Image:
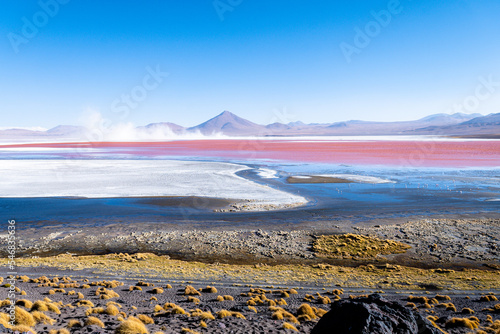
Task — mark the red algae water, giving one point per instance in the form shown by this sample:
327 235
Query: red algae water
411 153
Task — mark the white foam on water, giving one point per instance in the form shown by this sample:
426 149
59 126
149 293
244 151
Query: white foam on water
349 177
267 173
359 178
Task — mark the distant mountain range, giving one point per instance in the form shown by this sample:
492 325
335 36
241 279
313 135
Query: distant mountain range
229 124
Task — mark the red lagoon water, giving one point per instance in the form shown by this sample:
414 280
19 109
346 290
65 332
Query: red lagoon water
473 153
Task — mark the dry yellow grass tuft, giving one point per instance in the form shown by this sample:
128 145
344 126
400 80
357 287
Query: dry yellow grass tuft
354 245
23 279
494 309
203 315
319 312
95 310
23 317
5 302
306 310
277 315
190 291
189 331
488 298
225 313
84 303
94 321
112 310
286 325
4 317
462 322
443 271
336 292
107 284
281 301
131 326
24 303
447 306
74 323
418 299
210 289
192 299
270 302
145 319
157 291
324 300
280 314
442 297
104 293
142 283
494 326
171 308
42 318
59 331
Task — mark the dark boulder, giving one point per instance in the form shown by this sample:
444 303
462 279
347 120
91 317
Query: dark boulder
372 315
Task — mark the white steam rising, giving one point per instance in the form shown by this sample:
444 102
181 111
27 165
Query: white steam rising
99 128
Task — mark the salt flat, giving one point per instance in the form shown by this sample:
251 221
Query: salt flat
135 178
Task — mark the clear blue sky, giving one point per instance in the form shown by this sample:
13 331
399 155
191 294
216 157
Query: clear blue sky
277 60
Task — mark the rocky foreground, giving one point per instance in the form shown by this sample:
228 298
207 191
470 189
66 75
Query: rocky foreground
427 276
57 304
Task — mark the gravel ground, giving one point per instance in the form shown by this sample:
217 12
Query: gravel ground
436 242
138 302
447 241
